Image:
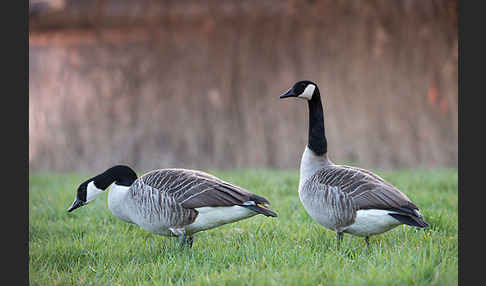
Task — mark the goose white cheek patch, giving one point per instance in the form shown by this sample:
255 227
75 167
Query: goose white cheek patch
92 192
308 92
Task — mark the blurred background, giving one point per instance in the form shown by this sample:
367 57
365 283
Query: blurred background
196 84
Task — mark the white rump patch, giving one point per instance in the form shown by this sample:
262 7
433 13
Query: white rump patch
308 92
92 192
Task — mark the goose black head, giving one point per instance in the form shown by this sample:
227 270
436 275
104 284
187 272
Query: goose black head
304 89
92 188
308 90
86 193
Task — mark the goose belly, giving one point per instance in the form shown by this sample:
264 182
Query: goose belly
210 217
152 221
157 226
370 222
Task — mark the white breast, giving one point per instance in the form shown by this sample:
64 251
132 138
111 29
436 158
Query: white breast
372 221
117 202
210 217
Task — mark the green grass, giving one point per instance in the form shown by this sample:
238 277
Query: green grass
91 247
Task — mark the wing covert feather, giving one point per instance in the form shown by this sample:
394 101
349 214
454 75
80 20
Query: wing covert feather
367 190
193 189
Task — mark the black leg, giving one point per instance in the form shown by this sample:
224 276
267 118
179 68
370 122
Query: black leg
190 240
339 237
186 240
182 239
367 239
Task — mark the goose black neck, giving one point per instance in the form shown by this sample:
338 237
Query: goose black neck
317 135
120 174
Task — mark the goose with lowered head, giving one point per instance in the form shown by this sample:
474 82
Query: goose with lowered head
172 202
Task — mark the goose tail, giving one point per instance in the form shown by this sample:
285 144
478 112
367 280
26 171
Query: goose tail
417 221
261 209
260 205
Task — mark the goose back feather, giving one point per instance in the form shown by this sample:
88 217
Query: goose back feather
366 190
193 189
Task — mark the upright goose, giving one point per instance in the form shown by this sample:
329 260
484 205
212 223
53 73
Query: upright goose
172 202
343 198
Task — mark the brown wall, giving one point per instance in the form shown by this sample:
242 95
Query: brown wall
199 88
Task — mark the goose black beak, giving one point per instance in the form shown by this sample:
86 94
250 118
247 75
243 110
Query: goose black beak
289 93
77 203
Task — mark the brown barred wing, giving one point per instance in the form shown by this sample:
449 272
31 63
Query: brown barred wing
192 189
367 190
